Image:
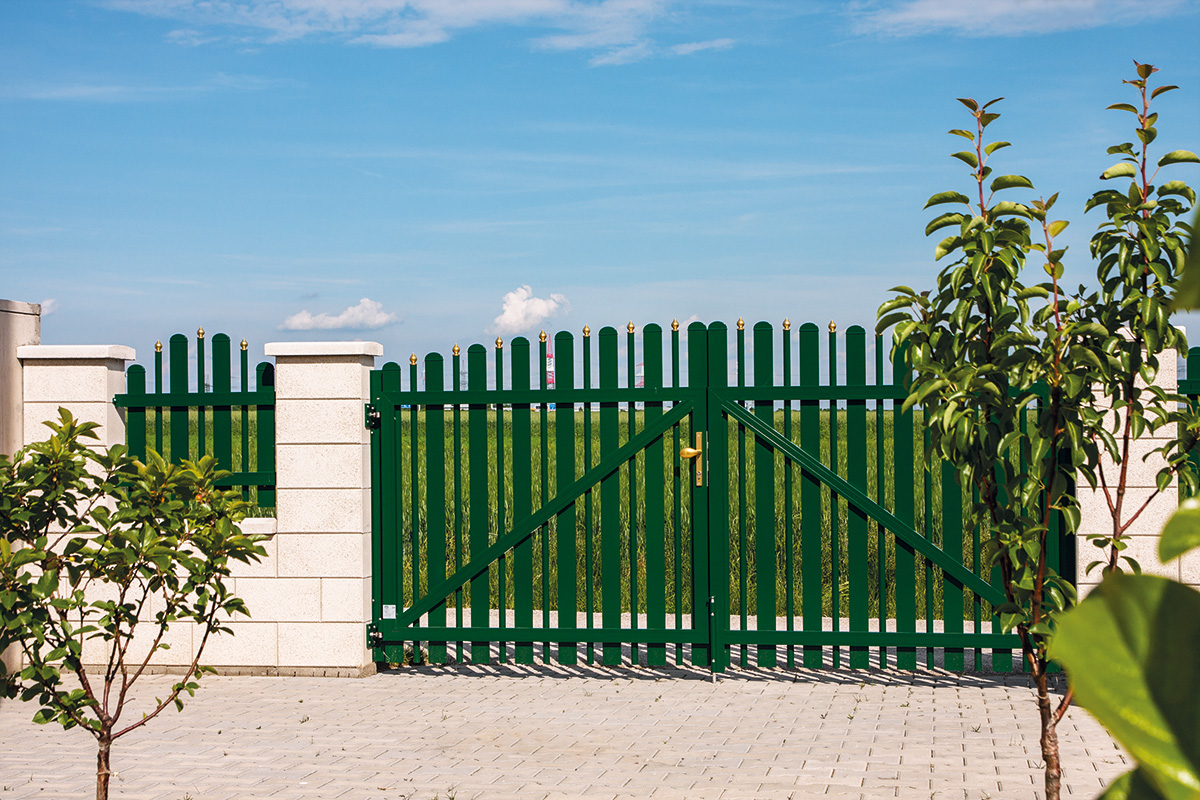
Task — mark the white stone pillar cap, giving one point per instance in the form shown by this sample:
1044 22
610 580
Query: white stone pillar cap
117 352
286 349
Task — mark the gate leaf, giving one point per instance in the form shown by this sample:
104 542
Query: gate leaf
1132 651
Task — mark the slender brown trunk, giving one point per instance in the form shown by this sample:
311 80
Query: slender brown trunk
102 761
1049 739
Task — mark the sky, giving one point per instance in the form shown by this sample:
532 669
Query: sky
422 173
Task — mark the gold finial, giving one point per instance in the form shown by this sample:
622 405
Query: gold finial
586 331
499 343
787 324
542 336
413 359
674 324
245 344
158 346
630 327
832 326
200 333
741 324
455 351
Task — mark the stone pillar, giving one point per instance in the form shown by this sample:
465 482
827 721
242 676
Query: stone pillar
320 595
1144 533
20 325
81 378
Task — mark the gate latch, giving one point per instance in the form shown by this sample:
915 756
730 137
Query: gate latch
696 453
372 420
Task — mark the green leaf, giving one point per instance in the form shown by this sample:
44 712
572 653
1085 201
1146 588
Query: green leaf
994 146
969 103
1121 170
1162 90
1058 226
1187 295
943 221
1132 652
967 157
1011 182
1133 785
947 245
1123 107
947 197
1182 531
1179 157
962 133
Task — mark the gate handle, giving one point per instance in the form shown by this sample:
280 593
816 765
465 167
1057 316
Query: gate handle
695 452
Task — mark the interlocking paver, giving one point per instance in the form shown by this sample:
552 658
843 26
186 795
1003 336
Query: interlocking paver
521 732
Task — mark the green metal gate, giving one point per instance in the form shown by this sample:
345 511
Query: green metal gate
673 514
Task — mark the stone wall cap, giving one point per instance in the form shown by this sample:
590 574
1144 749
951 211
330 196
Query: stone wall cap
117 352
258 525
287 349
18 307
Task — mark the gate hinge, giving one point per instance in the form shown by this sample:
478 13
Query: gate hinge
372 420
374 637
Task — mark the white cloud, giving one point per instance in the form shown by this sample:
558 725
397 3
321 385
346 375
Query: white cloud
599 24
49 306
521 311
688 48
366 316
623 55
1002 17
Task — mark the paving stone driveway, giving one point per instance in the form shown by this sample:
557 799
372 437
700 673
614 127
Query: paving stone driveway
529 733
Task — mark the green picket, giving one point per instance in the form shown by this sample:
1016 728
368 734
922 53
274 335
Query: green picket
135 416
856 473
952 545
222 414
477 490
435 495
522 483
764 495
905 493
564 455
712 497
812 576
610 503
178 422
655 503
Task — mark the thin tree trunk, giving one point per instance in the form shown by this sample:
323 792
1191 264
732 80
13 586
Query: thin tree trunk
1049 739
102 763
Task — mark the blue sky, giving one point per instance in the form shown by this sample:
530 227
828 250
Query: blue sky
402 171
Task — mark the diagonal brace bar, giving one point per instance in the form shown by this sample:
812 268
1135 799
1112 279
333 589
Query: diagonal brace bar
860 500
524 528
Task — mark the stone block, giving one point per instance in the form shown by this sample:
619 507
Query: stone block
254 644
1097 520
324 555
280 599
324 377
178 636
323 510
346 600
267 567
1143 468
324 644
110 419
309 466
71 379
308 421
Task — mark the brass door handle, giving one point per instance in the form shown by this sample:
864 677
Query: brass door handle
695 452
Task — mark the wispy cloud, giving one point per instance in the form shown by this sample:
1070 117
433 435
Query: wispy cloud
521 311
133 92
49 306
1002 17
688 48
368 315
617 28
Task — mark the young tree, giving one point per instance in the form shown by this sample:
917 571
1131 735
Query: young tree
104 552
990 352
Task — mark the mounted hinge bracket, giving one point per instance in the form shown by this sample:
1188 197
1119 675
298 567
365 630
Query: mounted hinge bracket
374 637
372 418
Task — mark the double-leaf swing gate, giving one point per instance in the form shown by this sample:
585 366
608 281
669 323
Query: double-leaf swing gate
544 509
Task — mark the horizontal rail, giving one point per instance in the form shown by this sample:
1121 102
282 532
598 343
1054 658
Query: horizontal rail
506 397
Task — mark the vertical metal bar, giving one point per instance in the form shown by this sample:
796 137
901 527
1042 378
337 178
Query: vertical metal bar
378 489
544 453
564 456
678 498
158 388
977 568
634 560
201 388
501 525
135 417
222 414
789 566
391 503
179 421
456 363
588 529
881 538
713 496
856 473
904 469
929 534
656 567
244 361
702 609
435 496
610 503
764 496
522 484
952 545
811 573
415 516
743 481
264 431
835 506
477 481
